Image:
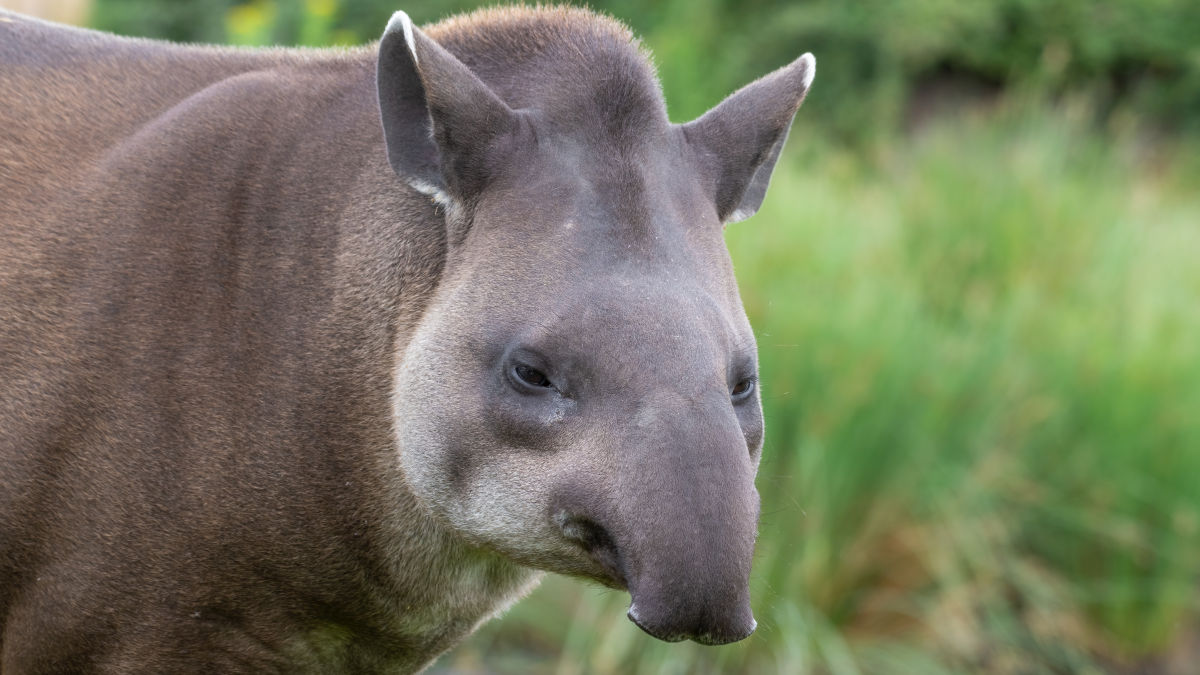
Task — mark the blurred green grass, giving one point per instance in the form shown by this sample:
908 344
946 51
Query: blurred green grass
978 328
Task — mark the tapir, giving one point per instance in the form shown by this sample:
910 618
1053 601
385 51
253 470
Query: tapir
315 360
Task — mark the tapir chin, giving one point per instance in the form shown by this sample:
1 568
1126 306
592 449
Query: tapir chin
314 360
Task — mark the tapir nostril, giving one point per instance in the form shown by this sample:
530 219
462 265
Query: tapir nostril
595 540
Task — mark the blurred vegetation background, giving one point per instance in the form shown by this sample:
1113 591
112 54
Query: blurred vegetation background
975 285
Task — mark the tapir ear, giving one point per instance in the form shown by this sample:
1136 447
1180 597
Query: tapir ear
738 142
439 119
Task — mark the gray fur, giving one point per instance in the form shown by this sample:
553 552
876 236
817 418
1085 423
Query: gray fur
260 315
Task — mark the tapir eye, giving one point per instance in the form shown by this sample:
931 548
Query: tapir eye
742 390
530 376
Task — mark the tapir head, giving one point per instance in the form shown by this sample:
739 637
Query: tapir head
581 395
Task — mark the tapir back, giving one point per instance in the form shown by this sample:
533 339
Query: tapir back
73 103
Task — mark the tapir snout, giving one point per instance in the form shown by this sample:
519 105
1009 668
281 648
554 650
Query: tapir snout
676 526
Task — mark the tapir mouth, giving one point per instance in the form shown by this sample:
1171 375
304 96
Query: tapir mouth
599 545
705 638
673 613
662 611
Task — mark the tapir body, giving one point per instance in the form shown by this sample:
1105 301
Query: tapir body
312 361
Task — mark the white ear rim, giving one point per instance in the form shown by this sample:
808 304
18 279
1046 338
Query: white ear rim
400 21
810 68
738 216
436 194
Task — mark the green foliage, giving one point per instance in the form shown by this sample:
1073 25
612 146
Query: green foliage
887 54
879 60
183 21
